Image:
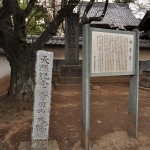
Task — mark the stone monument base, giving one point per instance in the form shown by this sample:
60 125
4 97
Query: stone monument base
145 79
27 145
71 71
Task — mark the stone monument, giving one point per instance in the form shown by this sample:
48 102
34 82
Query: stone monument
42 105
71 67
42 100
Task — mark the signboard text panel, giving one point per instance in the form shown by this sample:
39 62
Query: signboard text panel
112 53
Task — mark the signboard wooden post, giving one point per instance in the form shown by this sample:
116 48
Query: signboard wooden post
109 53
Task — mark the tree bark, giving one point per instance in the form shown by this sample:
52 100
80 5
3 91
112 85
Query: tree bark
22 71
20 56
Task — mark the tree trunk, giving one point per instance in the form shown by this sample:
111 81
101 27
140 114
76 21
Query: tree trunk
22 62
22 78
21 57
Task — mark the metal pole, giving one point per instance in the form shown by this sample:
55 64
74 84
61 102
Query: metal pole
133 97
85 90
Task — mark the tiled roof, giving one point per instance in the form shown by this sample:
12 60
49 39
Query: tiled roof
31 38
55 40
144 43
59 40
117 15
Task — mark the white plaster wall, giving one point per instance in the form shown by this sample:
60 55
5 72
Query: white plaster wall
4 67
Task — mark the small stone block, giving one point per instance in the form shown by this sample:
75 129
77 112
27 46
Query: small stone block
4 145
53 145
146 73
25 146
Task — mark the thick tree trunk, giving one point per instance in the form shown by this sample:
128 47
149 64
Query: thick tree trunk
22 62
22 79
22 58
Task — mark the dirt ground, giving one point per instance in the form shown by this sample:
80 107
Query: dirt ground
109 119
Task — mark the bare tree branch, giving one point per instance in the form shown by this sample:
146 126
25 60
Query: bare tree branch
18 20
53 26
85 20
39 8
29 7
102 15
88 7
5 15
63 3
14 6
4 10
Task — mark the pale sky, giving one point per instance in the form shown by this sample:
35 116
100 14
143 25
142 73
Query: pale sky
145 4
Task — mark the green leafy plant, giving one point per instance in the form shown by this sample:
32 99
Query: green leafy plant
36 21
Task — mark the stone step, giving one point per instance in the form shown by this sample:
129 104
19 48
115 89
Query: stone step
145 78
71 71
74 87
78 80
55 78
68 86
146 73
70 80
145 81
75 83
145 84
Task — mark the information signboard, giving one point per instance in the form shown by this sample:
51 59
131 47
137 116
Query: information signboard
112 53
109 53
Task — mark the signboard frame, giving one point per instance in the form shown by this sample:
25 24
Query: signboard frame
116 32
86 74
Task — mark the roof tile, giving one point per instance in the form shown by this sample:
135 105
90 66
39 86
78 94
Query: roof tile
144 43
117 15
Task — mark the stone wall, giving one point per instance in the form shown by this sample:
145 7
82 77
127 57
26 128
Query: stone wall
145 73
